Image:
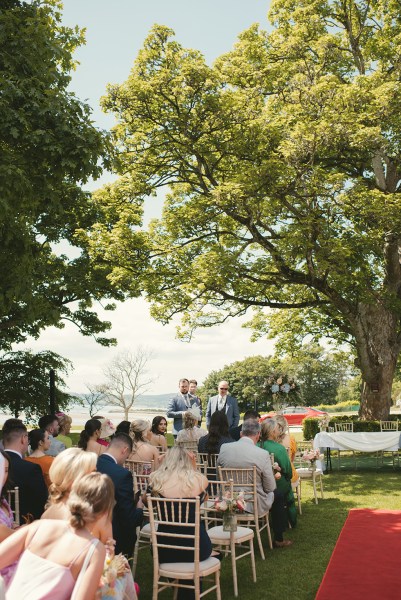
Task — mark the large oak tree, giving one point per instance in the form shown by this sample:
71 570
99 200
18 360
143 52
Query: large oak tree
283 167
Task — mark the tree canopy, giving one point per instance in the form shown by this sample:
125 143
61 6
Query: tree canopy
282 162
49 150
24 382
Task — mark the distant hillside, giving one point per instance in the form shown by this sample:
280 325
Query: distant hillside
149 402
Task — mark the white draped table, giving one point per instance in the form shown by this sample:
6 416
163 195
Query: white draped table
361 441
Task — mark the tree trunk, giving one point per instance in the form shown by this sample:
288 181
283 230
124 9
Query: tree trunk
378 347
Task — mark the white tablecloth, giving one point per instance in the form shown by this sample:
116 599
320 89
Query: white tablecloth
362 441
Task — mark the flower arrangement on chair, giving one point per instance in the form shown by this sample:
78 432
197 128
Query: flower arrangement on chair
230 504
312 456
324 422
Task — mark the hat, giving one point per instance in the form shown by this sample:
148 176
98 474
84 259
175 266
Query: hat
107 428
195 412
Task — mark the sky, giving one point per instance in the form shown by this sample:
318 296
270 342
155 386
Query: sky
115 31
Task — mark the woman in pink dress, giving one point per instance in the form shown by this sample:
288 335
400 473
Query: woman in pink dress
60 560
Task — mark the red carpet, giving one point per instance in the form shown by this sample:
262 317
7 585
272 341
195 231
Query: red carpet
366 562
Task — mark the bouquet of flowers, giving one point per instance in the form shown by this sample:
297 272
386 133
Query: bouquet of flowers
116 578
230 504
313 455
324 422
276 470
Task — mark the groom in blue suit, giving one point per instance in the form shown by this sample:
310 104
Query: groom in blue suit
224 402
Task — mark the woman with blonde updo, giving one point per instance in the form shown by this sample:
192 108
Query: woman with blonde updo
64 422
191 432
61 560
142 449
68 467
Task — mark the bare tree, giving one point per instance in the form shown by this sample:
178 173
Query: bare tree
127 377
96 398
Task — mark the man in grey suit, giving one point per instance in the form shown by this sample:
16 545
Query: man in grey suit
180 404
245 454
223 401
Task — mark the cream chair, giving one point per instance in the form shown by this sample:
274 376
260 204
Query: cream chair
13 501
183 516
245 480
305 472
140 467
347 426
296 488
143 539
241 539
390 426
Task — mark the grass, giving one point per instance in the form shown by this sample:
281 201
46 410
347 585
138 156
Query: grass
296 572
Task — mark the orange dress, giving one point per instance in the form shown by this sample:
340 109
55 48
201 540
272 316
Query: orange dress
44 462
293 449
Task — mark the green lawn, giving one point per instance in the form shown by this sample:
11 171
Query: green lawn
296 572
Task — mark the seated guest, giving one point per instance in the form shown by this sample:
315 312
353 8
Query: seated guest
191 432
126 516
235 432
245 454
51 425
158 433
142 449
27 476
65 427
289 443
9 424
62 560
269 440
39 442
89 437
68 467
177 477
123 427
106 431
217 436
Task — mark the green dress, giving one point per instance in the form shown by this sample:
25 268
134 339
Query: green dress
284 483
67 441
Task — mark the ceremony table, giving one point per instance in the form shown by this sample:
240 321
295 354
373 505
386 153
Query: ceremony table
360 441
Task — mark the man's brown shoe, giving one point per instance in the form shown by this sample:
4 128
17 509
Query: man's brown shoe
283 544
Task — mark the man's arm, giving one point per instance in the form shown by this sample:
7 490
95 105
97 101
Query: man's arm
172 411
125 497
208 412
235 413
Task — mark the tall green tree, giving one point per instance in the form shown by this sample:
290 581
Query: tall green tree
24 382
283 167
49 148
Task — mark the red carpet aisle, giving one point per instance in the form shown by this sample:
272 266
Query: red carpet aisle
366 562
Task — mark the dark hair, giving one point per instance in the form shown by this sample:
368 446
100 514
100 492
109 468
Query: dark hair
155 424
90 427
123 427
218 428
193 381
120 439
8 484
46 420
183 379
35 436
11 424
13 432
251 414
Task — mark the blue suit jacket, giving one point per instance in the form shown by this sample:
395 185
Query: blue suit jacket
176 408
232 411
125 516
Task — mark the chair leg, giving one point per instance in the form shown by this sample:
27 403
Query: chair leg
314 488
136 551
262 554
269 534
252 560
234 565
217 581
321 486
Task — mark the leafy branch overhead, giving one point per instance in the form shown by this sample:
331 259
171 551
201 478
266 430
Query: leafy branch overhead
282 163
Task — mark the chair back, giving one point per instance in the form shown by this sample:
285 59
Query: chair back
388 425
182 518
140 467
141 483
13 501
345 426
210 462
243 480
299 460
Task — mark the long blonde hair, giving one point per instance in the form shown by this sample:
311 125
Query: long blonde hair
176 462
68 466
